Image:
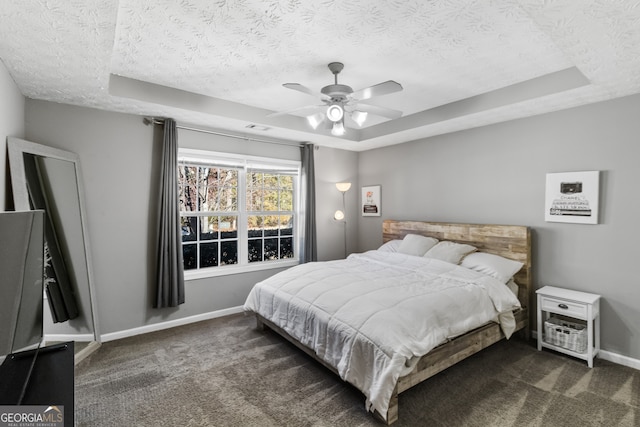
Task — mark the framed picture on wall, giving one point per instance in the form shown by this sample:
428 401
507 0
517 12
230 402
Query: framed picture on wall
370 201
572 197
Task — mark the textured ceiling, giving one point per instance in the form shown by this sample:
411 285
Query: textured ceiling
221 64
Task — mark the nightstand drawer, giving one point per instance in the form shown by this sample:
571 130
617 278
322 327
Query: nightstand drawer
564 307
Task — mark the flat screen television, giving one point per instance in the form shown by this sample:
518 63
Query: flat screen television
21 283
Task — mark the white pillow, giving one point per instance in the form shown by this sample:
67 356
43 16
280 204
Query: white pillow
449 251
492 265
415 244
390 246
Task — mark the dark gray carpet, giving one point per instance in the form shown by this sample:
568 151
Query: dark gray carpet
224 372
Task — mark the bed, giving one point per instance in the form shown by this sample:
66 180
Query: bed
358 316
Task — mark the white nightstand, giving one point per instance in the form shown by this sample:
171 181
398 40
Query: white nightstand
570 304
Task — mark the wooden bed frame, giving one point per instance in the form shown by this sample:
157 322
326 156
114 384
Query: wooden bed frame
509 241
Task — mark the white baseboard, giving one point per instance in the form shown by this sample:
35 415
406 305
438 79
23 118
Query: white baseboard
610 356
619 359
68 337
170 324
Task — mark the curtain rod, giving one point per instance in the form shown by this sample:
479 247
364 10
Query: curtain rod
154 121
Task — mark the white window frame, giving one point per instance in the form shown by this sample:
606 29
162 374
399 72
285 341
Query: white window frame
245 162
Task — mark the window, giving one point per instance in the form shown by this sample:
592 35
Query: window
237 213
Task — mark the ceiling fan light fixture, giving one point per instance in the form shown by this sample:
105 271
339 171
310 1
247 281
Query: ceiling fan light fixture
359 117
315 120
337 129
335 113
339 100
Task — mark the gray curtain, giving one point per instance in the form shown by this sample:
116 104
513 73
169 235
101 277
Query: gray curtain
169 277
309 250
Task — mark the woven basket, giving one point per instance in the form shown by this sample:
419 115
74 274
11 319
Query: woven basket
569 335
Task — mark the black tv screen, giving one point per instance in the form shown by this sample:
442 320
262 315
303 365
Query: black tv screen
21 280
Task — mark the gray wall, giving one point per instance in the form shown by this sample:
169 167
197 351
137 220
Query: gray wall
11 124
493 174
119 157
333 165
116 153
496 174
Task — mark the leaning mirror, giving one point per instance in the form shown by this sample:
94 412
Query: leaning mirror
48 178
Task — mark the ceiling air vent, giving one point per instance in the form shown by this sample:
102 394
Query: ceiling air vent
257 127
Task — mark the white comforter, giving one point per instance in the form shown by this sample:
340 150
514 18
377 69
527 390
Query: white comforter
374 314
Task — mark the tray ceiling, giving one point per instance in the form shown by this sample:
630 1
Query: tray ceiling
221 64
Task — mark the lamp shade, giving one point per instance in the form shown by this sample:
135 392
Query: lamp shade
337 129
335 112
343 186
315 120
359 117
339 215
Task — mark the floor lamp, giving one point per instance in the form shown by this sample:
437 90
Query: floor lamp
341 215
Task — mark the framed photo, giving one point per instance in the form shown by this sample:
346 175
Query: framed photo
370 201
572 197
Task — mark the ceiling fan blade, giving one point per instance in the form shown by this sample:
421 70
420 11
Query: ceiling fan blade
309 108
377 90
304 89
379 111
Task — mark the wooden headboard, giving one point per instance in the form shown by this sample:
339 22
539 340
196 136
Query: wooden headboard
509 241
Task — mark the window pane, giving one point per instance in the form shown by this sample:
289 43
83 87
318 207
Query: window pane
255 179
228 226
270 225
255 250
286 248
187 175
208 228
189 254
208 254
188 227
270 180
229 252
209 200
227 198
207 179
286 225
286 201
270 200
254 199
228 178
270 249
254 226
188 197
286 182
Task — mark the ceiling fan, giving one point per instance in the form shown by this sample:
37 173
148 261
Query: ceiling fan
340 102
